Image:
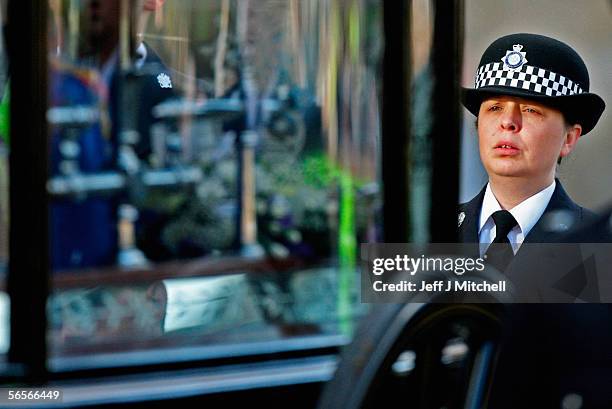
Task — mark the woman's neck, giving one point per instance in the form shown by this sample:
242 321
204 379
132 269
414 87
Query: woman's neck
510 192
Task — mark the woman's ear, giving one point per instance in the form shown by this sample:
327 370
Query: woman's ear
572 134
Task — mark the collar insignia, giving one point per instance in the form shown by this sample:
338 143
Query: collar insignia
514 60
461 218
164 80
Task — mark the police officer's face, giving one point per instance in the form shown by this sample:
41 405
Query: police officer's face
523 138
103 16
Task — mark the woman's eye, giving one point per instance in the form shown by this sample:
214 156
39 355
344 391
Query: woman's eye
494 108
531 110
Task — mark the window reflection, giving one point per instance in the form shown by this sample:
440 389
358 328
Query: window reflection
225 310
214 165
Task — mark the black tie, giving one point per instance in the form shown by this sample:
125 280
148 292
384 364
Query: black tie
499 254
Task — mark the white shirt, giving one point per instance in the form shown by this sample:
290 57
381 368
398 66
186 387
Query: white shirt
526 213
141 56
109 67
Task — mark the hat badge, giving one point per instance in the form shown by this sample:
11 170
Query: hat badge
514 60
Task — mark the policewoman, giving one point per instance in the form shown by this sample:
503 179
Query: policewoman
532 102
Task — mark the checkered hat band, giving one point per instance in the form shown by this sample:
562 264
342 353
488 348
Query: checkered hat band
526 77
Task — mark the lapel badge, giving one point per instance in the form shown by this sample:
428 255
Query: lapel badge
514 60
164 80
461 218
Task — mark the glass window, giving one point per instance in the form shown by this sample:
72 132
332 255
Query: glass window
214 165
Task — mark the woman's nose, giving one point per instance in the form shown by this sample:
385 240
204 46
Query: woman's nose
511 119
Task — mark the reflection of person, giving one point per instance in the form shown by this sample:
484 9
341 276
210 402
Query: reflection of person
533 104
155 83
84 232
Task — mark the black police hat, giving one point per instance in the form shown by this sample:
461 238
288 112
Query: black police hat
538 68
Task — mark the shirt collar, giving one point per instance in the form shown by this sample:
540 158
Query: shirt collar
141 56
109 67
527 213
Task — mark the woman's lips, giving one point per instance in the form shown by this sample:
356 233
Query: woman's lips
506 149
